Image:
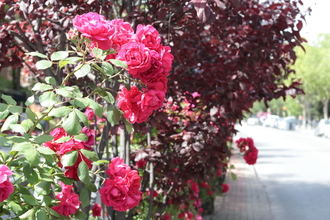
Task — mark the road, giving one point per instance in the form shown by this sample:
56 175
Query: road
294 169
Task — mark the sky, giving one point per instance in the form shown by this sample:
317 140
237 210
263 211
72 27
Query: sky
319 20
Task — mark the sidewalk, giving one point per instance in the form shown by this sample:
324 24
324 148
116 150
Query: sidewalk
247 198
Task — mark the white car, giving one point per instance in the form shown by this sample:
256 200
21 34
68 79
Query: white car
271 121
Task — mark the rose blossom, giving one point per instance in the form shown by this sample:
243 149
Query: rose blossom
5 172
251 156
90 133
69 146
69 201
95 27
166 58
6 189
152 100
137 57
123 33
96 210
58 133
122 189
158 84
89 114
224 188
148 35
129 102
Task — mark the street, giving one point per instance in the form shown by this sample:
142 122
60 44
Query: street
294 170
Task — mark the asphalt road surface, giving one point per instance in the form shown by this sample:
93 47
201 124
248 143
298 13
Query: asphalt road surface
294 168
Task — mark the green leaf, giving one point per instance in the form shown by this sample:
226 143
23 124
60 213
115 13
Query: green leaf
12 119
82 70
28 215
84 102
13 206
63 139
43 188
15 109
71 124
69 159
4 114
83 173
42 215
45 151
81 137
97 52
129 127
82 117
30 100
90 154
59 55
52 212
113 115
60 112
17 128
32 156
50 80
9 100
69 92
43 64
80 215
30 114
233 176
48 99
27 124
73 60
99 162
119 63
84 197
43 138
30 175
37 54
108 68
41 87
29 199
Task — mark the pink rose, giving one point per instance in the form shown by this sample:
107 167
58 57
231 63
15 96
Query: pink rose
123 33
149 36
90 133
69 201
156 70
152 100
96 210
129 102
158 84
52 145
166 58
58 133
5 173
137 57
89 114
6 189
69 146
95 27
224 188
194 187
114 193
251 156
117 167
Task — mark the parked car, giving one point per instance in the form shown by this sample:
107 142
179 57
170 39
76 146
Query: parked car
287 123
271 121
323 128
253 121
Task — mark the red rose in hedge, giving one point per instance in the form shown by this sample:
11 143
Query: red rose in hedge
123 33
90 133
69 201
152 100
94 27
251 156
225 187
166 58
137 56
72 171
96 210
58 133
6 187
69 146
148 35
122 189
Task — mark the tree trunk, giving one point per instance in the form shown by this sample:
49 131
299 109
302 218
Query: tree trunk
326 108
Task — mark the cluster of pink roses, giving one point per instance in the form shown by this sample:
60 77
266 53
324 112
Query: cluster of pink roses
6 187
146 58
246 146
122 189
69 146
69 201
